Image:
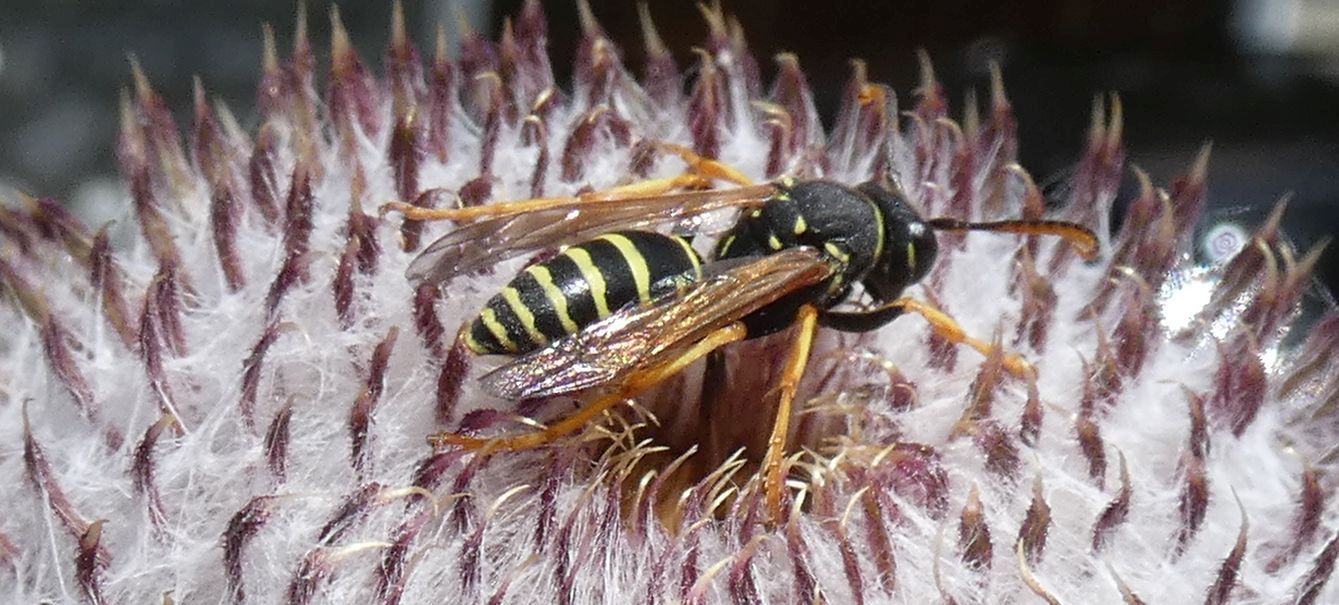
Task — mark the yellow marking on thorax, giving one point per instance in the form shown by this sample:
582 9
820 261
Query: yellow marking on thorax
773 241
800 225
524 314
837 252
496 328
592 275
641 273
555 295
692 256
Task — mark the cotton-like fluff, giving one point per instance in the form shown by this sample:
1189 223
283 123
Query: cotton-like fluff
232 406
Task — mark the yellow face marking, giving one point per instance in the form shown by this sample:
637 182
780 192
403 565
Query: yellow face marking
837 252
472 344
911 257
755 214
800 225
641 273
524 314
592 275
773 242
496 328
551 291
692 256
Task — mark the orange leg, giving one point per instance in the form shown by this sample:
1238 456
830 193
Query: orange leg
704 167
774 473
946 327
633 386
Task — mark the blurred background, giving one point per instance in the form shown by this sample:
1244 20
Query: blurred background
1260 78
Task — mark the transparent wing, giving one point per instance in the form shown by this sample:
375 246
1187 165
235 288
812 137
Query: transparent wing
563 221
640 337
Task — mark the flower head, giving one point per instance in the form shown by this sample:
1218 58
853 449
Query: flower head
233 404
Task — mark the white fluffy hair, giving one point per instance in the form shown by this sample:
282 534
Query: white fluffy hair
231 407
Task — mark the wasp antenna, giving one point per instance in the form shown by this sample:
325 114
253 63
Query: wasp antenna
1081 238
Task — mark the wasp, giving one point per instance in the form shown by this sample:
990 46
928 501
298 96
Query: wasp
621 307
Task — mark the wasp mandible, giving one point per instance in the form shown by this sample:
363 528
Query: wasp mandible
621 308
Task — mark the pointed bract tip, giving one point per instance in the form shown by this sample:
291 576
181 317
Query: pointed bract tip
589 26
1270 227
655 46
998 97
300 41
736 33
715 17
143 90
126 110
269 57
1312 256
1116 122
971 119
340 46
786 61
198 95
1097 121
463 25
1200 169
1145 182
439 52
928 81
399 38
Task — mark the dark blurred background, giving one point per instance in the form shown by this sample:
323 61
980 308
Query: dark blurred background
1260 78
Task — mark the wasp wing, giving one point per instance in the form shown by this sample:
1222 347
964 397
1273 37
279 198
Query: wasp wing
642 336
487 241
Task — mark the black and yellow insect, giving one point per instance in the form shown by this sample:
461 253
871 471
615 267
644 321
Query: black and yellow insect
621 308
582 284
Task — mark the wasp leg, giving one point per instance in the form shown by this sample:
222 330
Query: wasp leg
940 322
774 475
705 167
861 321
633 386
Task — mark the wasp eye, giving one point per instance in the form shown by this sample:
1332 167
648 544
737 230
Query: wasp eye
908 255
922 248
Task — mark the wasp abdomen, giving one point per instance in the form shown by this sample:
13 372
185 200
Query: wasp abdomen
580 285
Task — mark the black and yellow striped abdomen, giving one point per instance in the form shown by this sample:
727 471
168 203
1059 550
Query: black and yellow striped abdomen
580 285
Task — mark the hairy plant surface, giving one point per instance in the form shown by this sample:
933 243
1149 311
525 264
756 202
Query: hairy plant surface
232 406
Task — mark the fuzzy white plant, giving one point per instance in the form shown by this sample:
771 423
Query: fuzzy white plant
232 408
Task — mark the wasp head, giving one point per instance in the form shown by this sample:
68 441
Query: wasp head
909 246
